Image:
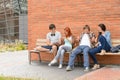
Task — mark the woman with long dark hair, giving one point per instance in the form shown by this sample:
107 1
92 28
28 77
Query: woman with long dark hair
67 46
105 33
102 47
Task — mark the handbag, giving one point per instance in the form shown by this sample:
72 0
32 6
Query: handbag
115 49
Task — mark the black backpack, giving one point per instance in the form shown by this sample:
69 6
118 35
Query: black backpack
115 49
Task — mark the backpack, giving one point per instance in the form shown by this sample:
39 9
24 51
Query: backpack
115 49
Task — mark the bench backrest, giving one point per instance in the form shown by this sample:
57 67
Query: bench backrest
115 42
40 42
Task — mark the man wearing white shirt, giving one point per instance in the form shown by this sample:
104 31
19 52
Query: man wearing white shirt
53 40
84 45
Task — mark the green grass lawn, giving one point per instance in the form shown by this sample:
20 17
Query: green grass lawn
12 78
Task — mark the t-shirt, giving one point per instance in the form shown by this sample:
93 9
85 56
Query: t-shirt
67 41
54 38
85 40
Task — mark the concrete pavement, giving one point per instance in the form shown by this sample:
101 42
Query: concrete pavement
16 64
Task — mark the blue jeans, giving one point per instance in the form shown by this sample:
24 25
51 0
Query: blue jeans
93 53
60 54
104 46
79 50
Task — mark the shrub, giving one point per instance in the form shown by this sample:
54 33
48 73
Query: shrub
14 46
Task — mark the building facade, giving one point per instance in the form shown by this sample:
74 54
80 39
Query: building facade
74 14
13 20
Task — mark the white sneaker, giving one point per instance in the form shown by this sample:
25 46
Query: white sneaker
68 68
52 62
60 66
86 69
49 64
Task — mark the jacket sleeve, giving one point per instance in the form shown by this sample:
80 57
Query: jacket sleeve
103 41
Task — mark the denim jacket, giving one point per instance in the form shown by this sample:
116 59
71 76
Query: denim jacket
107 35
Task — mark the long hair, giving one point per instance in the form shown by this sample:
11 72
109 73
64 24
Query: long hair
67 29
103 28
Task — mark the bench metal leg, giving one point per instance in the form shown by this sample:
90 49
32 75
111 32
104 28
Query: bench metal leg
39 57
29 57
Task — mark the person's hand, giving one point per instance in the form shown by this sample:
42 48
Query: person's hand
96 44
50 44
77 38
102 52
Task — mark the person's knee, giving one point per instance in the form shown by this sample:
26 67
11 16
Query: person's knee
72 54
61 47
54 47
91 52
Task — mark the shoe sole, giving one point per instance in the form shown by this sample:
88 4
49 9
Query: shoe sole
69 70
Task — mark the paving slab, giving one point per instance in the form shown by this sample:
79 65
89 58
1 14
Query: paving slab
15 64
110 72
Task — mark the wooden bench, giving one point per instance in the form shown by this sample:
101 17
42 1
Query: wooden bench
115 42
104 59
41 42
45 56
109 57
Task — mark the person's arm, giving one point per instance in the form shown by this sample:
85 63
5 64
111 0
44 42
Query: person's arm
102 41
78 39
108 37
60 38
93 38
73 39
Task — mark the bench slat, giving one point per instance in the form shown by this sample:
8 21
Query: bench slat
115 42
41 42
109 53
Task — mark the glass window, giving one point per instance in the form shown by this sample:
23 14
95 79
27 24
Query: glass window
10 11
